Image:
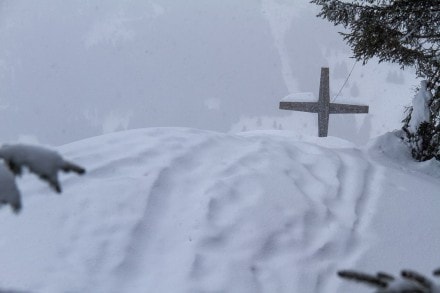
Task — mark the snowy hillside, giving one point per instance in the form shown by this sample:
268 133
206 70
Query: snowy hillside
184 210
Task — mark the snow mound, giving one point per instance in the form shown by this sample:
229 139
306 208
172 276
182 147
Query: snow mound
184 210
420 107
391 151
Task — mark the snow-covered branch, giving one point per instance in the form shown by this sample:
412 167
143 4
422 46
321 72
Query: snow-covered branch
409 281
41 161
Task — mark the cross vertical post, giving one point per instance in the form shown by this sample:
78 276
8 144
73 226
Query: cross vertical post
324 102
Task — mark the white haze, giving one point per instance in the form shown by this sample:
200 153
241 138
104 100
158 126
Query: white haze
75 69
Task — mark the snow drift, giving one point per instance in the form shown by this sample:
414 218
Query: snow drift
184 210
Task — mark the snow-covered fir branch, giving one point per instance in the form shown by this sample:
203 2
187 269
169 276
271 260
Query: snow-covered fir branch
44 163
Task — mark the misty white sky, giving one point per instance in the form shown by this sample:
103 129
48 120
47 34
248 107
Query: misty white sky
75 69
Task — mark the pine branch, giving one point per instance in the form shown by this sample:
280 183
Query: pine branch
417 278
385 276
385 283
367 279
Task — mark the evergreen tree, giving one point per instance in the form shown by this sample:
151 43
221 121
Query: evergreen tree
405 32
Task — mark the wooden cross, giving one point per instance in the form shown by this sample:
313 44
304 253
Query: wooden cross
323 106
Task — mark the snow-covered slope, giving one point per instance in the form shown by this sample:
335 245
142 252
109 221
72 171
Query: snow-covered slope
184 210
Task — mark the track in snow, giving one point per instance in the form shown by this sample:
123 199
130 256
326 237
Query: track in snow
205 212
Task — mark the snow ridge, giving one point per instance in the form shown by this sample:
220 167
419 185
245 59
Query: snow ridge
195 211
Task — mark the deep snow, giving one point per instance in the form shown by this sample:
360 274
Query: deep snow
185 210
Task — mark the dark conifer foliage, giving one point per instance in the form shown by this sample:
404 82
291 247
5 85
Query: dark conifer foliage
405 32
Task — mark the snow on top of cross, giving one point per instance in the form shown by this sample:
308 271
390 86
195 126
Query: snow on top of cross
346 100
310 97
185 210
300 97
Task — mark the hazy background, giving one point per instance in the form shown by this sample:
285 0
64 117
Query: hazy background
75 69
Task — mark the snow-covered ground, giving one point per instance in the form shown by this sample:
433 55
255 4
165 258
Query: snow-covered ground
185 210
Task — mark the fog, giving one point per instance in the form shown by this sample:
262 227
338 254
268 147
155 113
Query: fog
75 69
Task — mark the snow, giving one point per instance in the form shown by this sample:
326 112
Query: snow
186 210
260 209
309 97
9 193
420 107
300 97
